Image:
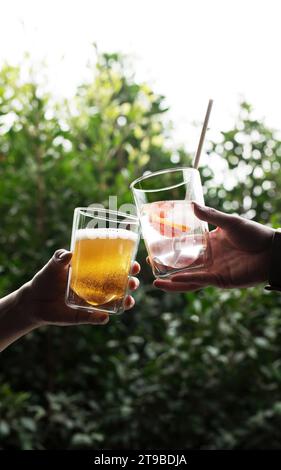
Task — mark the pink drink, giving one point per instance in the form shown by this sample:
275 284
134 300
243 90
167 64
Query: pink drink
175 238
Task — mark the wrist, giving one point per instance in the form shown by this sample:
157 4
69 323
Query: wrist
27 306
16 317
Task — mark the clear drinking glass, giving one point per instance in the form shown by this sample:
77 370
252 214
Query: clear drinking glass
104 244
176 240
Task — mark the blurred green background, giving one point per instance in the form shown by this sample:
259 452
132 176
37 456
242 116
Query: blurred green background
201 370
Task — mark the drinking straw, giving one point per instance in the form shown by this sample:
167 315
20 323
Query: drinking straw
202 136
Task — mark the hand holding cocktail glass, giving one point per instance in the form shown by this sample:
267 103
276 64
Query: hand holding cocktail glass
238 251
241 252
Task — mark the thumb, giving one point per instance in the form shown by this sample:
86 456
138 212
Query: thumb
57 264
212 216
53 272
60 259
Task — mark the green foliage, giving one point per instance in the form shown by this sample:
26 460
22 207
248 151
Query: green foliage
201 370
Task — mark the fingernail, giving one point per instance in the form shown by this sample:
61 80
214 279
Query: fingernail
62 256
134 283
198 206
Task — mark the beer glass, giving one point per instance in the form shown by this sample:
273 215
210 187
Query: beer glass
176 240
104 244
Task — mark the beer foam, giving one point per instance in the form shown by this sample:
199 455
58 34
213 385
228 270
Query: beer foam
105 233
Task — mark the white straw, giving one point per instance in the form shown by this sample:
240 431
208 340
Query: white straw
202 136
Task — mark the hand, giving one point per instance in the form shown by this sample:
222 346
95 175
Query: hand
240 251
44 295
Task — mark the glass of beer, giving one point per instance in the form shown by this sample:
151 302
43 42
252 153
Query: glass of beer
176 240
104 244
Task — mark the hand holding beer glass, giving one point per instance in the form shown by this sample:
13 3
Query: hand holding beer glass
104 244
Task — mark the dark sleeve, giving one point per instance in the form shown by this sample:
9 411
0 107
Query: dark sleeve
274 275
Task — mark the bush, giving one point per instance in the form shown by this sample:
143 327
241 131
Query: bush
200 370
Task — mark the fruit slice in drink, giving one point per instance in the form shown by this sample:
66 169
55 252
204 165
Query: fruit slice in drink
169 218
162 220
173 235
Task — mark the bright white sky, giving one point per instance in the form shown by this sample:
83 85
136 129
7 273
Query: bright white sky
188 50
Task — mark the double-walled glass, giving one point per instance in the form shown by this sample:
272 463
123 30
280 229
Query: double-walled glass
176 240
104 244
